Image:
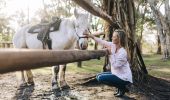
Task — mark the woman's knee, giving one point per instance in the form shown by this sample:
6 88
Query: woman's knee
103 73
99 77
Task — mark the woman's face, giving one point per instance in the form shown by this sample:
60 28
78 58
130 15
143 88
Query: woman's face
115 38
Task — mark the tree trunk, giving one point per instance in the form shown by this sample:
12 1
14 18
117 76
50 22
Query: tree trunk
167 20
108 7
139 40
159 20
159 45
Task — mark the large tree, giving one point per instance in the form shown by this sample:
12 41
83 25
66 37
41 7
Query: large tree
121 14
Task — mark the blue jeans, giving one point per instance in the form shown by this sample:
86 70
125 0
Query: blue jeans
112 80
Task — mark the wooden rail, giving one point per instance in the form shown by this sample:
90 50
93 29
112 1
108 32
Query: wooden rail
22 59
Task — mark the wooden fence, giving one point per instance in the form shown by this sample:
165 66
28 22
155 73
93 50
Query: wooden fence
6 44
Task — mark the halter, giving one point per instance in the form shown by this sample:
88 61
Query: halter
79 37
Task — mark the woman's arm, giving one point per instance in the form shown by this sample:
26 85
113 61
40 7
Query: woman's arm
100 41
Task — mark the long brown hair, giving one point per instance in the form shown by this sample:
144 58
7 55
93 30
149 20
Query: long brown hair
122 37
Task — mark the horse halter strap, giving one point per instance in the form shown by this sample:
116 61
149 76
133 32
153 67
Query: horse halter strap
79 37
82 36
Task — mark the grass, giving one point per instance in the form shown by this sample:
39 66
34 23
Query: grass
91 66
156 66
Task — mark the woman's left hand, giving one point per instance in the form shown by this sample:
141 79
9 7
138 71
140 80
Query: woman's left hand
109 49
89 35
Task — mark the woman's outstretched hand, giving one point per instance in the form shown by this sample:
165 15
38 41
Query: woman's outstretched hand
89 35
109 50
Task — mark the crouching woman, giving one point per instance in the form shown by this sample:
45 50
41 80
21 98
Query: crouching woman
120 74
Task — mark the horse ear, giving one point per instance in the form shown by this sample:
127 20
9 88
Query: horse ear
76 13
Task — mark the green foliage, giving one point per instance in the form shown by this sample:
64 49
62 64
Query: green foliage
138 27
150 21
6 34
5 29
5 37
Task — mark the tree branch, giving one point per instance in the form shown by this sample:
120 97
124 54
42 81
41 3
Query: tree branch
88 6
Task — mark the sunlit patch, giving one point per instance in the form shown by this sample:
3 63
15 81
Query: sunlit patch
166 70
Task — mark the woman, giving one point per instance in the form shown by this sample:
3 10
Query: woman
120 74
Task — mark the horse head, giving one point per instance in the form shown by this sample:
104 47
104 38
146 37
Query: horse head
81 27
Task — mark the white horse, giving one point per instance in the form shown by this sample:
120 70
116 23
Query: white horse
70 31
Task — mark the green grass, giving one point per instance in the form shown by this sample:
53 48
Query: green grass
91 66
156 66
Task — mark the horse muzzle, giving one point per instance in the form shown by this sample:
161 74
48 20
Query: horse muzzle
83 46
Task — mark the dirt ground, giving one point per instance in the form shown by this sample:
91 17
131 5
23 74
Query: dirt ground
83 87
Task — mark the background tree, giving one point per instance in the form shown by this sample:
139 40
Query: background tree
162 23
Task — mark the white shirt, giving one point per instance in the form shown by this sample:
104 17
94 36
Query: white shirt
119 64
